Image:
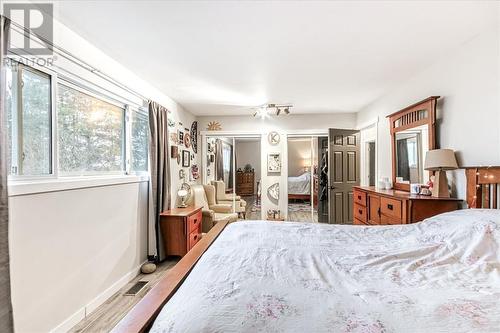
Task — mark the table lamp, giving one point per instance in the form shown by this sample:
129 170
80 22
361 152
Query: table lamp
440 160
184 193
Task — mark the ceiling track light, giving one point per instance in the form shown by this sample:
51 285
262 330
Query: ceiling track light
266 110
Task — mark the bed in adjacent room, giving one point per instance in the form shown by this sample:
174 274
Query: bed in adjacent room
299 187
440 275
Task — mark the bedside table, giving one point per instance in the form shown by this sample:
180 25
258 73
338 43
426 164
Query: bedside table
181 229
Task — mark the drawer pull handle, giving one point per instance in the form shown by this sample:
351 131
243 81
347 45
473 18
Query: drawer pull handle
360 212
359 197
390 207
195 221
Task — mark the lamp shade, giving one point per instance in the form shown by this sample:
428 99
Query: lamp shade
440 159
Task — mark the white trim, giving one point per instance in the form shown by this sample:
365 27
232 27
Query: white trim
87 309
18 188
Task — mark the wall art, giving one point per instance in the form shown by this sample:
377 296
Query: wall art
195 172
274 162
181 137
273 138
273 192
174 138
194 136
187 140
182 174
170 122
174 151
186 162
214 126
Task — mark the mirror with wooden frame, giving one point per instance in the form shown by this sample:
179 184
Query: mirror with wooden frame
413 133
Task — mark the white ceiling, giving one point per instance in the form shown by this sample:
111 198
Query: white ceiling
222 57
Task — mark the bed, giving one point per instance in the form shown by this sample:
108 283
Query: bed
440 275
300 187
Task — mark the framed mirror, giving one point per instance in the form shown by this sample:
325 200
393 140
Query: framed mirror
412 135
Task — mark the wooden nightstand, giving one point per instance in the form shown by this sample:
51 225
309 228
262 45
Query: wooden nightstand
181 230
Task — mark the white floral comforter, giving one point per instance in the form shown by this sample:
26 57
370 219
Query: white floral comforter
441 275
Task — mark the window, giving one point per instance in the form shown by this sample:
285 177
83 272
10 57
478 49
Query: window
91 133
29 118
88 133
140 137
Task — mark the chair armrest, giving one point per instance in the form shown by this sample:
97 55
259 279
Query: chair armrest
221 208
229 197
208 213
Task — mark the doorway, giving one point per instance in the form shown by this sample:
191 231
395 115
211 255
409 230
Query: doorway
371 153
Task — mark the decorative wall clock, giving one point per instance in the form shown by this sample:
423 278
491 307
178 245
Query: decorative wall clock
273 138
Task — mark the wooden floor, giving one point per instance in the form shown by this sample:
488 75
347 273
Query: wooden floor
105 317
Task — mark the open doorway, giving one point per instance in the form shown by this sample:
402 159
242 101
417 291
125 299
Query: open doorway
371 153
248 175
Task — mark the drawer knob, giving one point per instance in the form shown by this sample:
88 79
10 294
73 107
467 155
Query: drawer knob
359 197
360 212
390 207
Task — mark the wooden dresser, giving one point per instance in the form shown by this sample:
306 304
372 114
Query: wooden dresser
245 183
180 229
381 207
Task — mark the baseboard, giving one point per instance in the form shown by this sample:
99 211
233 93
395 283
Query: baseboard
86 310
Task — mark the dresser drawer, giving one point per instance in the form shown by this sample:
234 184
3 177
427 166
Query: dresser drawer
360 213
359 198
385 220
358 222
194 221
194 237
391 208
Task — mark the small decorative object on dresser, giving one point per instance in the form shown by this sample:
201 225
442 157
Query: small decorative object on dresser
372 206
181 230
245 183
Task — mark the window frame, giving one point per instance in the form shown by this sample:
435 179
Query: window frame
17 143
84 87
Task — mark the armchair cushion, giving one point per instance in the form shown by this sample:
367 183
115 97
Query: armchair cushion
221 208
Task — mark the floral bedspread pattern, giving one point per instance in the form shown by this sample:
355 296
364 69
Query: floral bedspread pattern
440 275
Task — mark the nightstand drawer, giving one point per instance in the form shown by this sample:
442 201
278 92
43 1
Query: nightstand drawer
391 208
194 237
360 213
194 221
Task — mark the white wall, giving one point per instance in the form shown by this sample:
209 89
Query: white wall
293 123
70 250
468 112
248 152
69 247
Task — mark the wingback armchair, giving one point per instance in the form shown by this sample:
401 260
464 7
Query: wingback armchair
227 198
204 196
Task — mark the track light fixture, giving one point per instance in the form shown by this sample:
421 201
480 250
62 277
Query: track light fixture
264 111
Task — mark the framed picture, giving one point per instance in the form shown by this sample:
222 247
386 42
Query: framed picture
274 162
186 159
174 151
180 135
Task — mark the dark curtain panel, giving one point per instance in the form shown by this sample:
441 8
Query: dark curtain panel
6 322
402 154
219 160
160 174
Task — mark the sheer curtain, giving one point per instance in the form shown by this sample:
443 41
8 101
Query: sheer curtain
6 322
